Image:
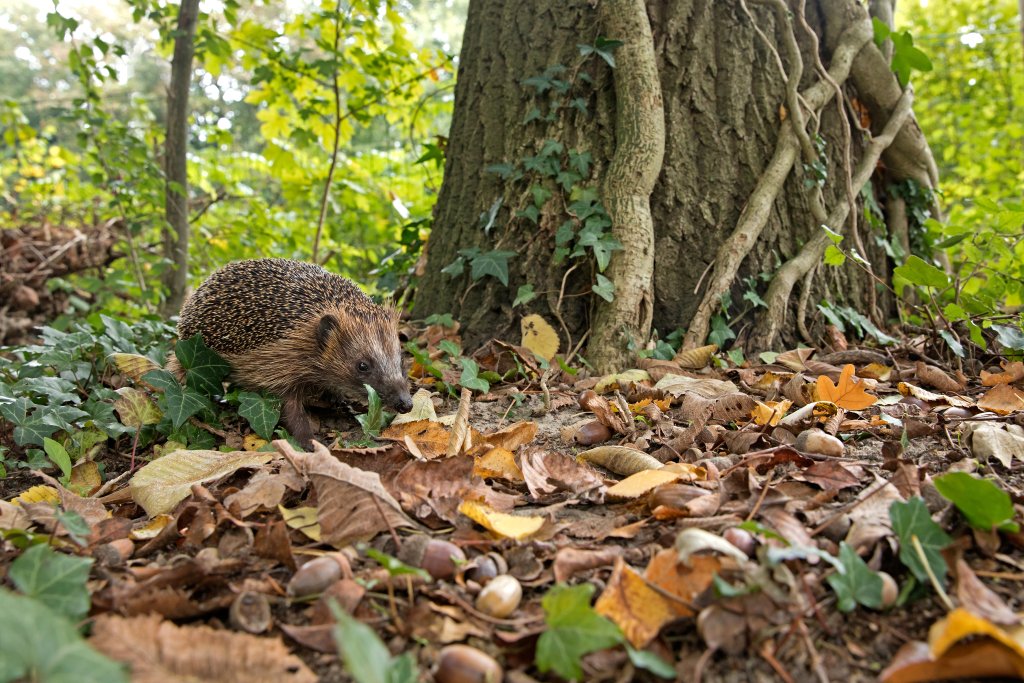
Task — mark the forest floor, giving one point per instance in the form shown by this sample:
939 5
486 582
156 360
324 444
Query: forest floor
838 516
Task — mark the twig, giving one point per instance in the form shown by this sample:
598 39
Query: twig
931 575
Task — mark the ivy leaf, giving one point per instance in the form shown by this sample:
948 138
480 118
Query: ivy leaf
574 629
262 412
906 57
493 263
856 583
985 505
181 403
455 268
604 288
524 295
1010 337
55 579
159 379
204 369
470 377
40 645
33 430
911 519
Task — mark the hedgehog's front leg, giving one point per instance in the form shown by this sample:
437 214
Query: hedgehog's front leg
296 419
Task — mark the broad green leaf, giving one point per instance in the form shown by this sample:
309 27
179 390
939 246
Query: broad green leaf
919 272
159 379
493 263
1010 337
204 369
604 288
470 376
40 645
953 343
524 295
834 256
985 505
394 566
366 657
181 403
643 659
832 235
33 430
56 452
574 629
262 412
856 583
374 419
54 579
909 520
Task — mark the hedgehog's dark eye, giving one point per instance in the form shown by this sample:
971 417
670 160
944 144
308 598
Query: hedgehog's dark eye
363 366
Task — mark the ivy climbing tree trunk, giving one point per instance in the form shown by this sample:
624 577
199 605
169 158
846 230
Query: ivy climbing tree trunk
176 234
627 185
779 117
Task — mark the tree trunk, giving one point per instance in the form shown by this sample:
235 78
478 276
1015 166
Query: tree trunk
176 234
759 154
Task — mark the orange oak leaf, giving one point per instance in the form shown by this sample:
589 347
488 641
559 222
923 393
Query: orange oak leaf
848 393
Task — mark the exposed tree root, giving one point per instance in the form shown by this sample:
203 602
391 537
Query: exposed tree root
786 277
755 214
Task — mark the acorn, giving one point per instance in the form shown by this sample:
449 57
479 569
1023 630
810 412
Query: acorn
465 664
500 597
250 612
439 558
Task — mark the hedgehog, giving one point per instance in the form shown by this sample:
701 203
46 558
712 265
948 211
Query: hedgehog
298 331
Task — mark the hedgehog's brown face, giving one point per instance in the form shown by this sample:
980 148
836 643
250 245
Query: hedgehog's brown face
357 351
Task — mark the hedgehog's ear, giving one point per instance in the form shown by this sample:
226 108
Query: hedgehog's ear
327 326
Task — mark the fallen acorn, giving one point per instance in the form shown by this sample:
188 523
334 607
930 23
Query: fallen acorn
115 553
317 575
465 664
439 558
500 597
817 441
250 612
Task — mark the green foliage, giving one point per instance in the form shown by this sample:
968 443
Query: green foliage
396 567
41 645
262 412
573 630
375 418
366 657
905 57
911 520
470 377
985 505
54 579
856 583
204 369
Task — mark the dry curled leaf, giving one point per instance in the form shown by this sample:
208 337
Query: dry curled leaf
695 359
620 459
160 652
1003 399
516 527
933 376
1012 372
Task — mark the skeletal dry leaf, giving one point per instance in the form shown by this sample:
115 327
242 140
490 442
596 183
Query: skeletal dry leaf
516 527
695 359
539 336
848 393
160 652
620 459
637 609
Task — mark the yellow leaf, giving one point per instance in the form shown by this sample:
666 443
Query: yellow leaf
695 359
38 494
498 463
504 525
640 483
133 365
848 393
539 336
302 519
619 380
771 412
639 610
150 529
85 477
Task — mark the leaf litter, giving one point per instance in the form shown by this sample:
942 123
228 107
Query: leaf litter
818 517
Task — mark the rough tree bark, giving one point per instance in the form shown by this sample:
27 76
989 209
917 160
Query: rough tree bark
764 104
176 234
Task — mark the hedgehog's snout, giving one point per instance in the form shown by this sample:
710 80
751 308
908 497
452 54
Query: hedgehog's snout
403 403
